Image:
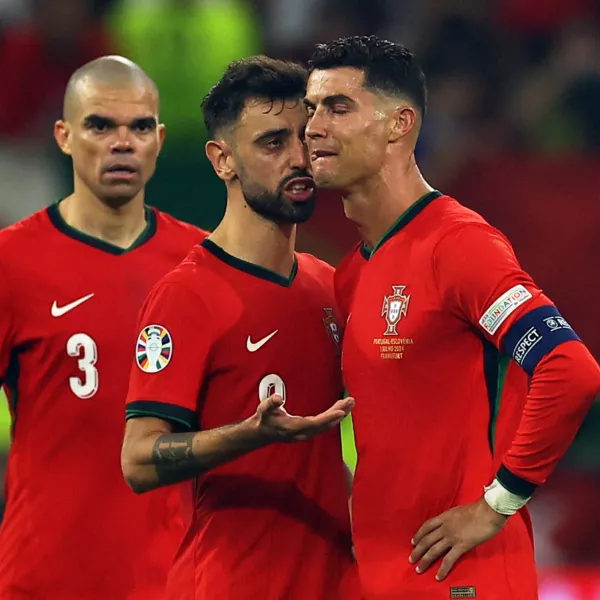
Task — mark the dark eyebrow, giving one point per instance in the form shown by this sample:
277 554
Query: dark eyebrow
331 101
272 133
95 120
146 122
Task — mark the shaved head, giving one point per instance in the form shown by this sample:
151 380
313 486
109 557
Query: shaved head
111 129
107 71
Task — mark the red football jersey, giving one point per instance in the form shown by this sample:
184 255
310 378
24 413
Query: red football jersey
217 335
72 529
438 399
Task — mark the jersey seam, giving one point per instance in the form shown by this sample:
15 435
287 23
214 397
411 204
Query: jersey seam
192 291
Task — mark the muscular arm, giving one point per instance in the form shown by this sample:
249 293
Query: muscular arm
153 455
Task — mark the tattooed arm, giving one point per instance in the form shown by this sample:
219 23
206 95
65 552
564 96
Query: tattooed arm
153 456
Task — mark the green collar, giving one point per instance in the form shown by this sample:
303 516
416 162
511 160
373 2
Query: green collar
64 227
403 220
250 268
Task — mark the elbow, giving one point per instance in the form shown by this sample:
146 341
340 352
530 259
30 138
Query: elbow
135 475
583 376
587 379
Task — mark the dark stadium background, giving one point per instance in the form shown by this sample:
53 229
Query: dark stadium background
513 131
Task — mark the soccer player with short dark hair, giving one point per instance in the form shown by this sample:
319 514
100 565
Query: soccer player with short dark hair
444 328
73 278
233 343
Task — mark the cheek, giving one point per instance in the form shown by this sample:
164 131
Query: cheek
149 152
86 153
367 148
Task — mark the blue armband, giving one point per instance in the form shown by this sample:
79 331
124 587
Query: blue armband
535 334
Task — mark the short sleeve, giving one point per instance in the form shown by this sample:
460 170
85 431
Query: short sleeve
171 355
6 325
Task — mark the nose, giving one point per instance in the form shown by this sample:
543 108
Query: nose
315 128
299 158
122 143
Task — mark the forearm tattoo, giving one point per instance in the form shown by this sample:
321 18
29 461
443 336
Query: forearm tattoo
172 455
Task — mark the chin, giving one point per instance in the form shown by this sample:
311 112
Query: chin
324 179
115 199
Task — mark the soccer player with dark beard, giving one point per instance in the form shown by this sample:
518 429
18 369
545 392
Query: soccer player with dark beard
73 278
444 330
238 347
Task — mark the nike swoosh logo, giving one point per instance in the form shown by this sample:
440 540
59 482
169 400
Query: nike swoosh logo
254 346
59 311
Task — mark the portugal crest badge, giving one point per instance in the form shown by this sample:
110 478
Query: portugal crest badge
333 331
394 308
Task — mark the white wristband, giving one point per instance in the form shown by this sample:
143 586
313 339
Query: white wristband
501 500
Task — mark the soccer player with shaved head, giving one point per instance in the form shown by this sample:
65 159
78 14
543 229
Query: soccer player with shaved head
74 277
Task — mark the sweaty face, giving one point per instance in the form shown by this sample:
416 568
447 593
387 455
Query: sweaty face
271 160
347 131
113 137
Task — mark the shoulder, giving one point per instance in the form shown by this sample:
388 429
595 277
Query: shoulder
312 264
459 228
453 216
18 241
187 232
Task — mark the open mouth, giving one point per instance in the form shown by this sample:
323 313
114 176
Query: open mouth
300 189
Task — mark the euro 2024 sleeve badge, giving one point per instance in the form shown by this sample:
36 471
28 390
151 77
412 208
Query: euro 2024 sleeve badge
154 349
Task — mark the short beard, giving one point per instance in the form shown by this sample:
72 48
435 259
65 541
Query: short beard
274 206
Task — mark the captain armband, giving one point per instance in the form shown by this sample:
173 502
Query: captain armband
536 334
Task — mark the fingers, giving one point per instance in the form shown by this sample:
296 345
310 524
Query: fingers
425 544
295 428
345 405
426 529
449 562
270 404
335 413
433 554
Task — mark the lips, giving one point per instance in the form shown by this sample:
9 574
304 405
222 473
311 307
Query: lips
123 167
316 154
300 189
299 184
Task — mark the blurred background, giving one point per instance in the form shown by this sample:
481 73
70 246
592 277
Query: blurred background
513 131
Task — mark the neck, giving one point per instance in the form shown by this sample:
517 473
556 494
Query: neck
119 226
254 239
375 204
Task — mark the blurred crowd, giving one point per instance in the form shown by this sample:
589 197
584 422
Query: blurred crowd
503 74
506 78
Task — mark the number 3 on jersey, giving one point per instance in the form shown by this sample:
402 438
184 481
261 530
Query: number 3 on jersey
269 385
83 347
